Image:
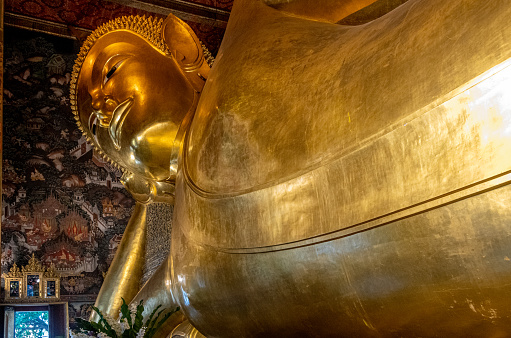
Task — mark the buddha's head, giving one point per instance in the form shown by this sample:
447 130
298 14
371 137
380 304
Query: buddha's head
135 83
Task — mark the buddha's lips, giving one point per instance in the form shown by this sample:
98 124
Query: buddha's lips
118 116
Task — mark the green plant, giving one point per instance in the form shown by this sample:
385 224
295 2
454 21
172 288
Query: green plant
129 325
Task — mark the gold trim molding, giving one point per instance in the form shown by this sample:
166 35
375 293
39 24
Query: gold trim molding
42 283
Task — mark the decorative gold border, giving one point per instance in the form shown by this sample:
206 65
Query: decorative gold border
34 267
57 288
8 281
25 285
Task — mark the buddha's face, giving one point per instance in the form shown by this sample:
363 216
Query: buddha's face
132 99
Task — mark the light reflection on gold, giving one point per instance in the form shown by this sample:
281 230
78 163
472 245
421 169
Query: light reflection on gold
334 180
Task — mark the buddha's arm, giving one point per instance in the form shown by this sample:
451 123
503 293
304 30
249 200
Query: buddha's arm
125 272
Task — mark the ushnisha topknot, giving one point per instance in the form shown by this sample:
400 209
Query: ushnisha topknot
147 27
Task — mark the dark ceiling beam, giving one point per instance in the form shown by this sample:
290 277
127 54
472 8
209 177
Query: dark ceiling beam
44 26
184 10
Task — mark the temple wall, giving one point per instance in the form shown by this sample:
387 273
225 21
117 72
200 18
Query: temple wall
63 205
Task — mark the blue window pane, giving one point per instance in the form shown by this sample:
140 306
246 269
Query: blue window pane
33 285
31 324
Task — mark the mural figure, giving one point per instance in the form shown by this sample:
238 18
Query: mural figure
53 181
332 180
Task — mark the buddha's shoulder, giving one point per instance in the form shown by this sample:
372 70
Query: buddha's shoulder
277 106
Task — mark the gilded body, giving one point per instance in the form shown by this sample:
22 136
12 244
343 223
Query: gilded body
348 180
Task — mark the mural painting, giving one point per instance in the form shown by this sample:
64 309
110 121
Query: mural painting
60 200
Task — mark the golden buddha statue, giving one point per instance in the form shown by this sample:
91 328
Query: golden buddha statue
331 181
124 113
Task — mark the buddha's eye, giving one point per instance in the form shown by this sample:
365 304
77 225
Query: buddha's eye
93 119
112 71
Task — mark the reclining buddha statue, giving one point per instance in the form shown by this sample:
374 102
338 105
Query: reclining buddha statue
336 173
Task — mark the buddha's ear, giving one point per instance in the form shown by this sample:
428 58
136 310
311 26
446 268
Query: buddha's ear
183 44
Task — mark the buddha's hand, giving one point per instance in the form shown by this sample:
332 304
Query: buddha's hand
146 191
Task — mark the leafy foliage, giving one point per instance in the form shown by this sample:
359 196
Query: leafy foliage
130 325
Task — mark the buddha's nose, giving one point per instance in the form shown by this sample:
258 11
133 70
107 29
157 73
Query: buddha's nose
103 107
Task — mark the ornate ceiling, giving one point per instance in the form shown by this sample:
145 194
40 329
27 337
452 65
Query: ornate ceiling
76 18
